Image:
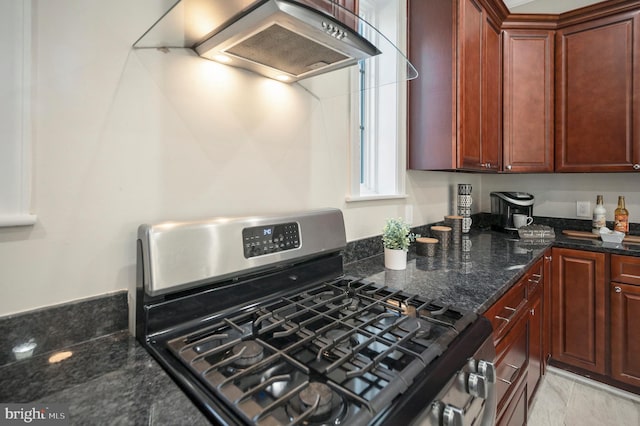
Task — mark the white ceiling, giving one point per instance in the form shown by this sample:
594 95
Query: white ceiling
546 6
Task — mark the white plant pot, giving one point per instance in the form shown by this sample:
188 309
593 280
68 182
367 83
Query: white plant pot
395 259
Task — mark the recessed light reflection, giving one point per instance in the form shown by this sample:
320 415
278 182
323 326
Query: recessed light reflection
283 77
59 357
224 59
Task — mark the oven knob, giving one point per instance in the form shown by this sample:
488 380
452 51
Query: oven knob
452 416
488 370
478 386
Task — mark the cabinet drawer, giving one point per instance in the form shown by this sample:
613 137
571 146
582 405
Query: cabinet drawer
625 269
515 414
534 278
507 310
512 361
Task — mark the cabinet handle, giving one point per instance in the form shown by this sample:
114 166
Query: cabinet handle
509 167
503 319
535 278
533 312
513 377
548 258
617 289
636 167
507 320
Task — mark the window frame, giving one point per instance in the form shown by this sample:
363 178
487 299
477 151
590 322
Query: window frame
364 162
15 197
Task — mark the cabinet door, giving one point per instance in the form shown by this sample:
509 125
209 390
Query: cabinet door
432 97
480 97
536 324
578 309
470 70
625 333
491 94
546 304
516 412
528 101
598 95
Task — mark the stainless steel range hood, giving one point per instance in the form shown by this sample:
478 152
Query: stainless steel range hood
281 39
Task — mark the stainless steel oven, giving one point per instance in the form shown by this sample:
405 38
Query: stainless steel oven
255 320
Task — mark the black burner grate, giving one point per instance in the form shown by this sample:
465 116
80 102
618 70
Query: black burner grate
348 347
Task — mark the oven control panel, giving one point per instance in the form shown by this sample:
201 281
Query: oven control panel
261 240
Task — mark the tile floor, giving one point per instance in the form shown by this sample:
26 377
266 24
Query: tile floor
568 399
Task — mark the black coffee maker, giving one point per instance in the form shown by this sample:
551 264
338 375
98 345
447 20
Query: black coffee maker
505 204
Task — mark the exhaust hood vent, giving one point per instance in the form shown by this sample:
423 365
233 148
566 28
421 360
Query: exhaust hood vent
284 50
281 39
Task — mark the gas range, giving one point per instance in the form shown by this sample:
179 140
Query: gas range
292 340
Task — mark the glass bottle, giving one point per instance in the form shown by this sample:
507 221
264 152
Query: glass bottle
599 216
621 218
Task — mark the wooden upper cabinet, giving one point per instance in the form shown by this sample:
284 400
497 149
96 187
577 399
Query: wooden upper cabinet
455 103
491 94
480 79
470 72
528 117
432 96
598 95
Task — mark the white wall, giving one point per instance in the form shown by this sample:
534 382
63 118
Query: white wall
124 137
556 194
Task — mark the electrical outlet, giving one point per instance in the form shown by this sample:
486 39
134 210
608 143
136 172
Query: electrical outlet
408 213
583 209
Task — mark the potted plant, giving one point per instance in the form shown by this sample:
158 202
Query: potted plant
396 238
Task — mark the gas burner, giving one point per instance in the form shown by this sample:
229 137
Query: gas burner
345 345
317 393
248 353
330 408
347 305
421 327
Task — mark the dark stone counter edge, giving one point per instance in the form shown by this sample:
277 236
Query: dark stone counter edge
57 327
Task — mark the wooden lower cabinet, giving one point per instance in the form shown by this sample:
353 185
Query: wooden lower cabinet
519 335
625 333
625 319
512 362
595 316
578 309
515 414
536 337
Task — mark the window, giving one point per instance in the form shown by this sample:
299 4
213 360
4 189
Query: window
15 122
378 109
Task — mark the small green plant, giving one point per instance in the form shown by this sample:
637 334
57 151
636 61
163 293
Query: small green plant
397 235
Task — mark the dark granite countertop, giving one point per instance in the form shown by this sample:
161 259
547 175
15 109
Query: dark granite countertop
112 379
474 279
108 380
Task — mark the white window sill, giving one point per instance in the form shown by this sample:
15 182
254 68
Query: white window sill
353 199
18 220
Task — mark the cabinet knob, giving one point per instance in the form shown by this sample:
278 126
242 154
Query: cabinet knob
617 289
636 167
509 167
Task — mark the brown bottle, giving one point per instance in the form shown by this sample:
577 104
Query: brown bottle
621 218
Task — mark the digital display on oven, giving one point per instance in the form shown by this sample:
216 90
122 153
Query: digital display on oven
261 240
